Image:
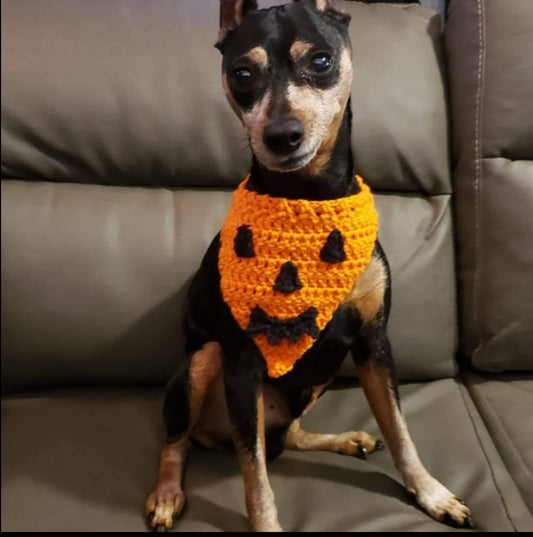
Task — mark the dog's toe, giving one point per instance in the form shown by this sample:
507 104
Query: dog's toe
361 452
356 444
449 521
164 507
458 523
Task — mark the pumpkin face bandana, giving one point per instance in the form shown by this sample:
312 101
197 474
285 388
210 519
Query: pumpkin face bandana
286 266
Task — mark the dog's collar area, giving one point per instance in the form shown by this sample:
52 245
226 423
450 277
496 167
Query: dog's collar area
281 260
334 185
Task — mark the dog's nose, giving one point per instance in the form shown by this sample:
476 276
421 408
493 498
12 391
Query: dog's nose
283 136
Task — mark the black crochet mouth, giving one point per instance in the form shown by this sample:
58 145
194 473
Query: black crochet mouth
276 330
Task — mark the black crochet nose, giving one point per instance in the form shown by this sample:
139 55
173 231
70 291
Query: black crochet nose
283 136
287 280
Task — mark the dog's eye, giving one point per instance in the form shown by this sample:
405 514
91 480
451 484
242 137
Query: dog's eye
321 62
242 75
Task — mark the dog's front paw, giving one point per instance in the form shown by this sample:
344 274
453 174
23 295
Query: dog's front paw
164 507
357 444
441 504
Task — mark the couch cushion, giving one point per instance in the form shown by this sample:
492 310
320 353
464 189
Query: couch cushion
93 280
491 84
86 461
505 402
129 93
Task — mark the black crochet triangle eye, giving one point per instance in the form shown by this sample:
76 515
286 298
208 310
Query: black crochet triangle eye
333 250
243 243
287 281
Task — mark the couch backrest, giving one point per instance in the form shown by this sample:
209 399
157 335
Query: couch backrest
119 152
490 47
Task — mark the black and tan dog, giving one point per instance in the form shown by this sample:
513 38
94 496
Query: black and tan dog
260 351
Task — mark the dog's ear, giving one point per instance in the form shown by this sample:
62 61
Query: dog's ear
328 7
231 14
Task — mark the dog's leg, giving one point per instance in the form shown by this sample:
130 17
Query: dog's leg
354 443
244 395
433 497
186 390
166 503
375 368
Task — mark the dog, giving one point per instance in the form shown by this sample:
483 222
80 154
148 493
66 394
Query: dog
296 277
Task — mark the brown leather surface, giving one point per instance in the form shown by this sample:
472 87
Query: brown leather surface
505 403
491 83
86 459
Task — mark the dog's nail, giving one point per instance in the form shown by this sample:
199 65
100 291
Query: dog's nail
379 445
361 452
160 527
150 516
468 523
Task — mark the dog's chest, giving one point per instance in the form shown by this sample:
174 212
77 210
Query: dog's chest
286 266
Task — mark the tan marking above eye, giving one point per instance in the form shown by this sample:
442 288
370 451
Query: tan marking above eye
299 49
259 56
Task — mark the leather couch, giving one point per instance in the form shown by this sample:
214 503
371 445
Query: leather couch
119 153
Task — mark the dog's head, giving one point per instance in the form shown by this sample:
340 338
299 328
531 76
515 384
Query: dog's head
287 73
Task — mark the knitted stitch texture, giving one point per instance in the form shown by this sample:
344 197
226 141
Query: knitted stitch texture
286 266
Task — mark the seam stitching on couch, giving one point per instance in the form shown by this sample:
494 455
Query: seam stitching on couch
486 406
493 476
478 175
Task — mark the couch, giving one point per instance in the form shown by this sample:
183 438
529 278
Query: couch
119 155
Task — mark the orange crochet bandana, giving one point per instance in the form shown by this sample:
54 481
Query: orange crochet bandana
286 265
